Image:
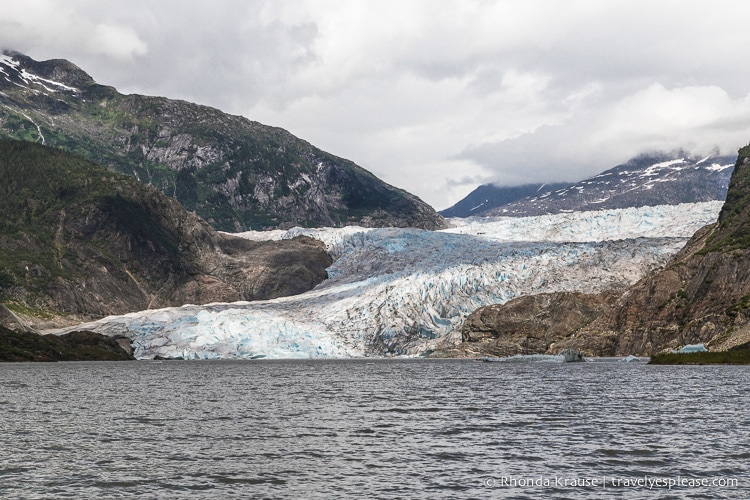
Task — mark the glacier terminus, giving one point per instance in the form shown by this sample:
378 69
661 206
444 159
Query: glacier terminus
398 292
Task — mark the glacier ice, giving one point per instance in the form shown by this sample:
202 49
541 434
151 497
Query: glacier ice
397 291
690 348
566 356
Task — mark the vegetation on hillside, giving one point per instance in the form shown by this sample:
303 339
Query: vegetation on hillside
79 239
236 174
74 346
734 221
41 188
738 357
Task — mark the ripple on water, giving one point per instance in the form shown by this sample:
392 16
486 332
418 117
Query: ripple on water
375 429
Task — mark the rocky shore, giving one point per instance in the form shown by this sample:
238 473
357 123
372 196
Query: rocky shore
74 346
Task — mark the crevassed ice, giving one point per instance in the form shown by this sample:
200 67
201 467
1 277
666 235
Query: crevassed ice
398 291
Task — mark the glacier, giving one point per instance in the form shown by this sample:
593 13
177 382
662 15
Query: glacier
399 292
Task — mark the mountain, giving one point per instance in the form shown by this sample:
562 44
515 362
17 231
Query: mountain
394 291
489 196
235 173
80 242
647 180
702 295
604 289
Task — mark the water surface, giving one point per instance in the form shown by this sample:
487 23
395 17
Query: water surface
373 429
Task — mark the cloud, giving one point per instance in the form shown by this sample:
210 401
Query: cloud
47 26
699 119
117 41
430 96
689 116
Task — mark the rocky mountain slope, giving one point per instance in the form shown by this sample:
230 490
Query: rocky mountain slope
647 180
79 242
532 324
701 296
489 196
235 173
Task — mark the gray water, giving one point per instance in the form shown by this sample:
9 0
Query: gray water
373 429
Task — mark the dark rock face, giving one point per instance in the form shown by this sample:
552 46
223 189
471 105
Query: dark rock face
533 324
74 346
235 173
82 242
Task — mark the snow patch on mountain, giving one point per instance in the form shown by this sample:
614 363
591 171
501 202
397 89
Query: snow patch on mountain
660 179
396 291
655 168
6 60
30 78
715 167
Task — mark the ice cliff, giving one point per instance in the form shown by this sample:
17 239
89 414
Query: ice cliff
395 291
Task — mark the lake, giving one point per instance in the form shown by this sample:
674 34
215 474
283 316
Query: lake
364 428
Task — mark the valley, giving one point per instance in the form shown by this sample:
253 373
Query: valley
316 257
407 291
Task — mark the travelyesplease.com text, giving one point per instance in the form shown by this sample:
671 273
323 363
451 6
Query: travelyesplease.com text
647 482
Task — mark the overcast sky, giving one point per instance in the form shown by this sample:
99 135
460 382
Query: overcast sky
436 97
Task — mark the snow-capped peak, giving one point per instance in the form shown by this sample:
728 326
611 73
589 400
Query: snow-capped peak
642 181
24 78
